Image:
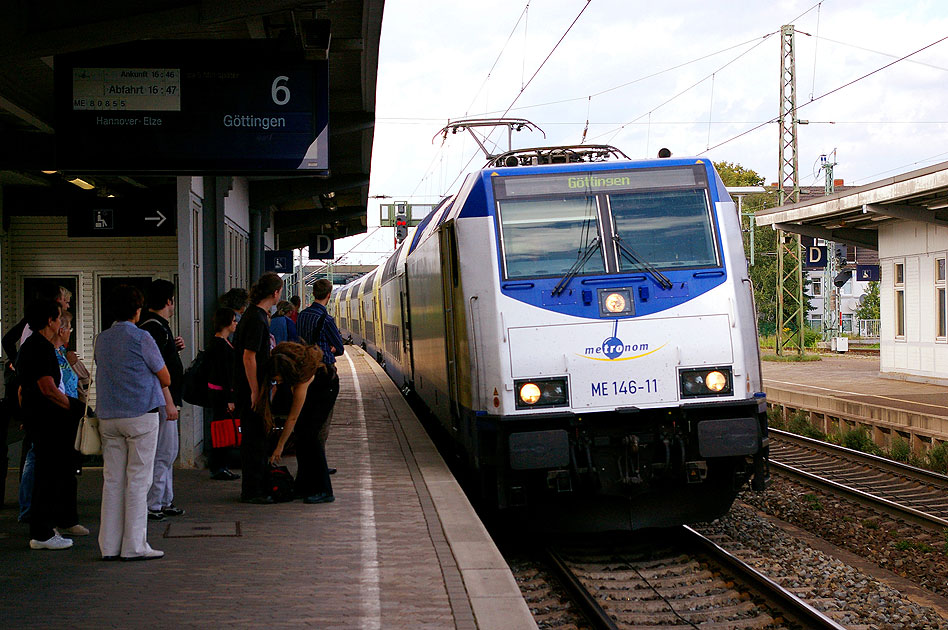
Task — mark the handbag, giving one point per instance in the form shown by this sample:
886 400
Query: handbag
88 441
225 433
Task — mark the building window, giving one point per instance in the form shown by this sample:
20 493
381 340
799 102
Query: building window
941 317
817 287
900 300
847 289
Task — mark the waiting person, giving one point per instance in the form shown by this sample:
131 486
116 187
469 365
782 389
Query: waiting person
281 326
236 299
317 327
220 379
52 429
11 340
129 392
155 321
252 346
69 384
296 302
301 368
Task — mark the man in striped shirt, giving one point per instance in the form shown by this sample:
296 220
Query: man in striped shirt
317 327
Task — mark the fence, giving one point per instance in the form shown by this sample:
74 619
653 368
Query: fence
869 328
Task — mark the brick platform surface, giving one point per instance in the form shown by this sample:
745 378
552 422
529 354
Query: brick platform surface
400 547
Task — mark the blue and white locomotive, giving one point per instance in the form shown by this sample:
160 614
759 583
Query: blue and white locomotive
584 329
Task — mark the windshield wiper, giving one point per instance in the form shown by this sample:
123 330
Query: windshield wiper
660 278
576 266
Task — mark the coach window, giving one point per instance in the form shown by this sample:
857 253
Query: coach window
544 237
941 317
900 301
670 228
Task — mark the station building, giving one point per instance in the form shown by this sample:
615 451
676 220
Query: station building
905 219
204 226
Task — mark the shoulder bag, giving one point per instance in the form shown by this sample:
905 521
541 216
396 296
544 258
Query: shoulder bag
88 441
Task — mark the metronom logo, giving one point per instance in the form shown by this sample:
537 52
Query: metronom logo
614 349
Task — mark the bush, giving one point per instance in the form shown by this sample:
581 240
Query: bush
859 440
938 458
900 450
810 337
800 424
774 418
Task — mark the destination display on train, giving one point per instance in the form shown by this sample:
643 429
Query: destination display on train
597 181
192 107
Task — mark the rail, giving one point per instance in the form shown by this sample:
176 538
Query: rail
888 493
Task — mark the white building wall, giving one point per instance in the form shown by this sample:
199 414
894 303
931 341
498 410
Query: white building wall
919 355
39 246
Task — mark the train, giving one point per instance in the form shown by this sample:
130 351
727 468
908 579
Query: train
582 327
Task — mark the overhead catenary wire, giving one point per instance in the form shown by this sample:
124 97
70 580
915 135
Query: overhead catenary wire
616 132
523 89
822 96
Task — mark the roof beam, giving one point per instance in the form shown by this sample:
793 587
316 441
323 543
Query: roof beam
849 236
906 212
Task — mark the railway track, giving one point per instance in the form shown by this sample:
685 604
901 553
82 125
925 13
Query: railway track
681 580
909 493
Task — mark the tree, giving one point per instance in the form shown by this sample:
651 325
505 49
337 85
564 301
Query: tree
763 273
870 303
737 175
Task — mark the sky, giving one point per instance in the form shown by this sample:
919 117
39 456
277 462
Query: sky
696 77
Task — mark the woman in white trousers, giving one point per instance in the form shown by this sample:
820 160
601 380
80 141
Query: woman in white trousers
129 381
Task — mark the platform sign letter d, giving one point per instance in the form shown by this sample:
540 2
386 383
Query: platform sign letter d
321 247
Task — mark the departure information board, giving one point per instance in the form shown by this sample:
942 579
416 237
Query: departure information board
236 106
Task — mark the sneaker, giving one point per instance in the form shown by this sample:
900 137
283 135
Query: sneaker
75 530
171 510
55 542
156 516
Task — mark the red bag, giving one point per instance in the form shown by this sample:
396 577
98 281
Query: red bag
225 433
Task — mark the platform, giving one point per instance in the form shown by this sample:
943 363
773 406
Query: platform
401 546
850 388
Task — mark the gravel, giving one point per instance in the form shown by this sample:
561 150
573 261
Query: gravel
844 593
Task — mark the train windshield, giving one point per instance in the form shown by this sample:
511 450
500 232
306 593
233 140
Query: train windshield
548 222
546 237
669 228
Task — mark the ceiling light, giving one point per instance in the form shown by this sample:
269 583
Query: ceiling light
81 183
49 172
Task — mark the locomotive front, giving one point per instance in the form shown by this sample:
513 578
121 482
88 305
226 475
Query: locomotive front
628 344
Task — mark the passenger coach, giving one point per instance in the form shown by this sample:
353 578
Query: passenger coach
585 333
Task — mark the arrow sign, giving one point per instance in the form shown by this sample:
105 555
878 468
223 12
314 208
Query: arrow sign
160 218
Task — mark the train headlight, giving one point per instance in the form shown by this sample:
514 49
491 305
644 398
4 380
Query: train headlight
530 393
715 381
546 392
614 303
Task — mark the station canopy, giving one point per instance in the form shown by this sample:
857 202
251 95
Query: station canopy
853 216
342 34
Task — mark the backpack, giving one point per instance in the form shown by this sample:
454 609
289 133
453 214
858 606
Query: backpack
280 484
194 389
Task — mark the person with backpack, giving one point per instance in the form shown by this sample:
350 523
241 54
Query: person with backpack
218 368
318 328
155 322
